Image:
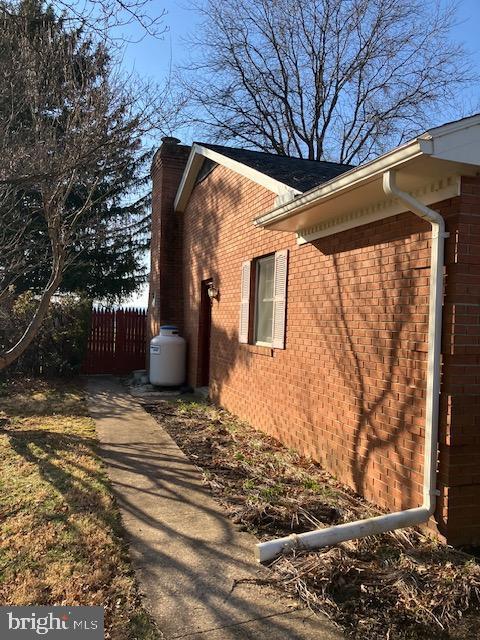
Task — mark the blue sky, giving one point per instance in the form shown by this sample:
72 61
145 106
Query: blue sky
153 58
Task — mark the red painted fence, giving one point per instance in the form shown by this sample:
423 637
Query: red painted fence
117 341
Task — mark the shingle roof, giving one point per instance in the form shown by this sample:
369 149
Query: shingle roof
295 172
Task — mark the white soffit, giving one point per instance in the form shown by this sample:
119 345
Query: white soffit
195 161
428 167
443 189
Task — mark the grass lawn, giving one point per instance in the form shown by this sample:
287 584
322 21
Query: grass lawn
60 530
396 586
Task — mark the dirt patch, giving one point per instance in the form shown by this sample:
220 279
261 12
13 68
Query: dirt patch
396 586
60 531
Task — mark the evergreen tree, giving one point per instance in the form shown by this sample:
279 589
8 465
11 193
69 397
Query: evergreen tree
72 168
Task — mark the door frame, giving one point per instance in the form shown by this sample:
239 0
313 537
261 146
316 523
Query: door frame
204 334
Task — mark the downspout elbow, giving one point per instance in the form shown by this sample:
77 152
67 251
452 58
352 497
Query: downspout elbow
414 205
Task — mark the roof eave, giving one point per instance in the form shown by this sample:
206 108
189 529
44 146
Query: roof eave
347 181
449 150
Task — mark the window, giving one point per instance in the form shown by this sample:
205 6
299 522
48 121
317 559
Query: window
267 298
264 271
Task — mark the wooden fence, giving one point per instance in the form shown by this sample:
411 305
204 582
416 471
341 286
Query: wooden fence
117 341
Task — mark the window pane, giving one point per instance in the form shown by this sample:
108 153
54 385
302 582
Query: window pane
264 300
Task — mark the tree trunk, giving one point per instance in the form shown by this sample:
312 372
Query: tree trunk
31 331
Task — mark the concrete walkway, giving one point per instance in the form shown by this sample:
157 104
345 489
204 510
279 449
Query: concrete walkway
187 555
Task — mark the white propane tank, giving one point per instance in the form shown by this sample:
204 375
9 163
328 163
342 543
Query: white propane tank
167 358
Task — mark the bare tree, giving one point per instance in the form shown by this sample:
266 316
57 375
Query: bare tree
334 79
70 131
107 18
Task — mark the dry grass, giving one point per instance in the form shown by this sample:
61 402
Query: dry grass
60 531
396 586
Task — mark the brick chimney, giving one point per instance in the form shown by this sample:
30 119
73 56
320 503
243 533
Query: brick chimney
165 302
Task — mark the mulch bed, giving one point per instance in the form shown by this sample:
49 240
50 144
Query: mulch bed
396 586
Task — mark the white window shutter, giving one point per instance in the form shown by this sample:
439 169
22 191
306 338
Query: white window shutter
244 303
279 299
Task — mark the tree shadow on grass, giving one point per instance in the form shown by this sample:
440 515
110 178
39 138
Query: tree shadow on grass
63 530
53 455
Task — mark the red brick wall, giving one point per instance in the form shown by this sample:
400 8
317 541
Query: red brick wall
166 282
460 400
349 389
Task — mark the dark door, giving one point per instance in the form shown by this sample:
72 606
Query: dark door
204 330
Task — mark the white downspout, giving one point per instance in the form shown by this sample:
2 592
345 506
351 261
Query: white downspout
265 551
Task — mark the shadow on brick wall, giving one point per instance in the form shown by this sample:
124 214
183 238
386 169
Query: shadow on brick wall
373 334
378 347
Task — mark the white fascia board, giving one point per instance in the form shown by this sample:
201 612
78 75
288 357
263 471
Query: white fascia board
348 180
198 153
187 182
452 127
458 144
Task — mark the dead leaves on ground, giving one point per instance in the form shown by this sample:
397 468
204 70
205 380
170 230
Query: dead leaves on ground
397 586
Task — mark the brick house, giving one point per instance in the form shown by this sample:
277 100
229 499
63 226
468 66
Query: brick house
320 330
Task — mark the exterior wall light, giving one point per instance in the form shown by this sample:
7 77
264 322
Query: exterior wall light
212 291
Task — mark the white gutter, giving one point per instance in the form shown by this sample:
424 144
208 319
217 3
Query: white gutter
349 180
361 528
